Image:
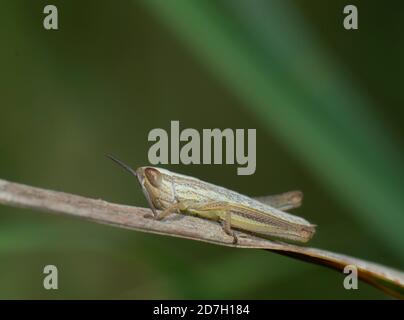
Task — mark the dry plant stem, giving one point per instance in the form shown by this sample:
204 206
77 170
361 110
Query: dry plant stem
18 195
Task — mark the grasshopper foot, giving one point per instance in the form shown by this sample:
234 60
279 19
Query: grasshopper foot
235 239
229 232
149 216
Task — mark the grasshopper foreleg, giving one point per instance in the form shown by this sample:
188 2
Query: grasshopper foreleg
175 207
171 209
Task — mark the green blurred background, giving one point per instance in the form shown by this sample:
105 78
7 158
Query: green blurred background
327 105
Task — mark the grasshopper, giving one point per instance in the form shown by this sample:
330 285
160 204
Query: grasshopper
176 193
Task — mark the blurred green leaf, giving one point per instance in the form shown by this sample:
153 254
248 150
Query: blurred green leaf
267 55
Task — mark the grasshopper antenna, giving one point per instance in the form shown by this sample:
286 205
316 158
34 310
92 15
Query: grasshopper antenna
122 164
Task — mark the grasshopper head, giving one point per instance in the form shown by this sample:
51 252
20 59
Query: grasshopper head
149 176
155 186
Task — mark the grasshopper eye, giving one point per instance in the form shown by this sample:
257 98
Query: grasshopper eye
153 176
